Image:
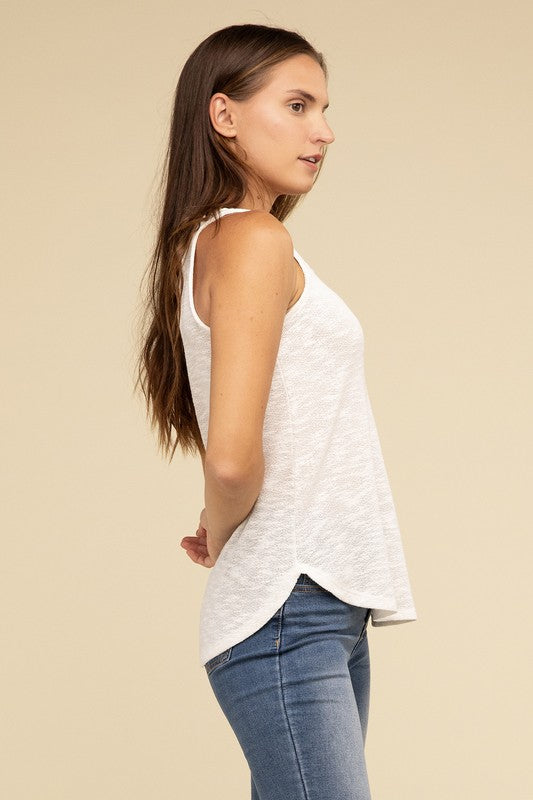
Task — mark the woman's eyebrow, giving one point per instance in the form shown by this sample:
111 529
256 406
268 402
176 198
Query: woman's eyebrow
306 95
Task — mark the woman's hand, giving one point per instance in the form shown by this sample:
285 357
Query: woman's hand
197 547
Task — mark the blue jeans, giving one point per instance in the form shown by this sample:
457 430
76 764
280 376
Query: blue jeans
296 694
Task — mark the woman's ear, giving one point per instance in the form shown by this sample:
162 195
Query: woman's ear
223 115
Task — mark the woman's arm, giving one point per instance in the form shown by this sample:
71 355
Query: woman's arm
251 287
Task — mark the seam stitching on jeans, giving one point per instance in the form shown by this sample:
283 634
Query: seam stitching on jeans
306 795
363 631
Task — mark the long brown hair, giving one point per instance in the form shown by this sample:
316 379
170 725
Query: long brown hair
201 174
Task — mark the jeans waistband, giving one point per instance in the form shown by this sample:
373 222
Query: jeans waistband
305 580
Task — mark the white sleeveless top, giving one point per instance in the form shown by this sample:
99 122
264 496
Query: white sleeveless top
325 507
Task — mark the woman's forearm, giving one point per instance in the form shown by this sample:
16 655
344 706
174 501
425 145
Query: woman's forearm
228 501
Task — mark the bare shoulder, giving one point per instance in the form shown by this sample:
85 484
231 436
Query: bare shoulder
241 233
251 251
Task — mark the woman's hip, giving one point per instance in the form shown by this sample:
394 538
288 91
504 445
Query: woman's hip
292 692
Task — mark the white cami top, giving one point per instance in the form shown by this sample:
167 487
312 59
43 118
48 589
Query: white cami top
325 507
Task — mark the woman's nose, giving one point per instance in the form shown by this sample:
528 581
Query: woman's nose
330 137
327 136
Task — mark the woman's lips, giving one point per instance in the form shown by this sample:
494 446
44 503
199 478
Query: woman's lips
314 167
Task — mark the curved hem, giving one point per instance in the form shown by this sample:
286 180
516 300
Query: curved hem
265 613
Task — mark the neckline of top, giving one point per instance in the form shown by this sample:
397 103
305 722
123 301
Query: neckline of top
234 208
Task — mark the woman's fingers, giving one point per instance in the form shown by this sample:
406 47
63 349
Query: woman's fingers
197 554
196 548
199 558
192 543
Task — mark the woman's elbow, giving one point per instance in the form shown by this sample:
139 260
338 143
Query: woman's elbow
232 471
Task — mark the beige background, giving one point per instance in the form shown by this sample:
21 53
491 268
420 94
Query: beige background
421 220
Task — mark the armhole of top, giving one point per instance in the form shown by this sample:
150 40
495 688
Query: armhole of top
204 224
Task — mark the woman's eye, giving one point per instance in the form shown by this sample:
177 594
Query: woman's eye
297 104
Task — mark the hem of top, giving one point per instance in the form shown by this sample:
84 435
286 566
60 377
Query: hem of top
289 316
375 603
381 623
265 613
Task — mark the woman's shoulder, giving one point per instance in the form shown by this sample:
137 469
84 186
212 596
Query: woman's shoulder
246 241
246 229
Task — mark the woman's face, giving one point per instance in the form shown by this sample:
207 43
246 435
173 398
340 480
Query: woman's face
279 125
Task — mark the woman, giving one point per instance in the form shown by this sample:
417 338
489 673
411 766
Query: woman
257 364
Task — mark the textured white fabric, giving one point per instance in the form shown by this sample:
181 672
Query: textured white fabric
325 506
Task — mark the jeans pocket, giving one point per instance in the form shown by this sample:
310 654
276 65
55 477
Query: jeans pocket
217 660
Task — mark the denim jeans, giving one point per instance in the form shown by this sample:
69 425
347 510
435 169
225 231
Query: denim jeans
296 694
